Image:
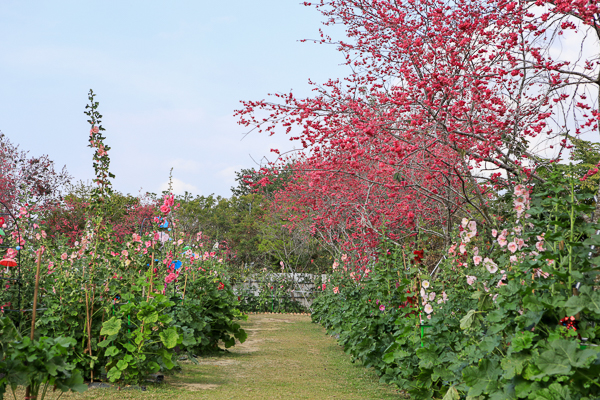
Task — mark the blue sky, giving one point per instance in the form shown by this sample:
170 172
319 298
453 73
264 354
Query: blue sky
168 76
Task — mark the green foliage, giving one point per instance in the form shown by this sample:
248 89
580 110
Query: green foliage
498 336
138 338
37 364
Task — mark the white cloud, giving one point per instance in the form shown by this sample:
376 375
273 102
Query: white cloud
180 187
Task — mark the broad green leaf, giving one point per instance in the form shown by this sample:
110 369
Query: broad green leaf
575 304
129 347
551 363
451 394
514 364
241 335
111 327
524 388
114 374
122 365
482 378
111 351
166 358
495 316
489 343
169 337
148 316
153 367
467 320
522 341
188 339
555 391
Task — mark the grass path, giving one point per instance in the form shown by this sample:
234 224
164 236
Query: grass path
285 357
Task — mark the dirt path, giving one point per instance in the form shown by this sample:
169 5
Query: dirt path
285 357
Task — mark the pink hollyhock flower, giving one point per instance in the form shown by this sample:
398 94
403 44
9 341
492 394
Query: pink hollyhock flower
432 296
335 265
452 249
490 265
170 278
464 222
344 257
94 129
180 242
336 290
471 279
125 253
513 259
519 190
502 241
462 249
428 308
494 232
512 246
520 243
323 287
477 260
382 308
64 256
473 226
165 209
540 246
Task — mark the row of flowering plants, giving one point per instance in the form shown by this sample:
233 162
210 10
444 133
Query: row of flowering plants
128 307
512 311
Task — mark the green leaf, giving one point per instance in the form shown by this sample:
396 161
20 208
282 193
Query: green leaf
521 341
122 365
514 365
129 347
551 363
188 339
114 374
111 327
482 378
166 358
495 316
575 304
169 337
555 391
467 320
148 316
111 351
451 394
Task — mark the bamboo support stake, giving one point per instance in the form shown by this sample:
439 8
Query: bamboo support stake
152 276
35 296
35 291
184 286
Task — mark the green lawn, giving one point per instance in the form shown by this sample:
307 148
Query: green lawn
285 357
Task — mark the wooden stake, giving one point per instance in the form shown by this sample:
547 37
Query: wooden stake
184 286
35 291
35 295
151 276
